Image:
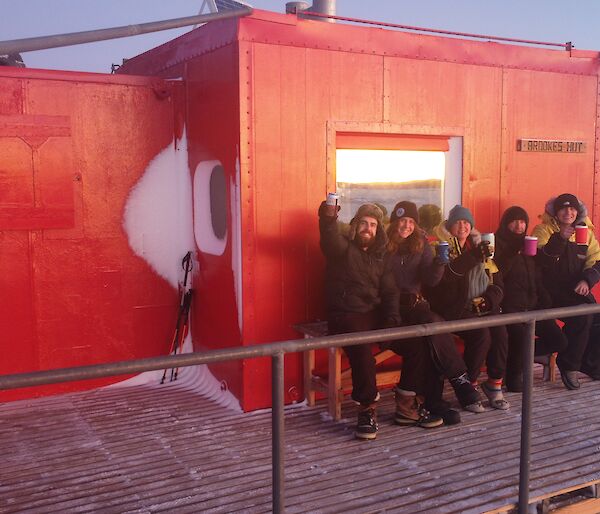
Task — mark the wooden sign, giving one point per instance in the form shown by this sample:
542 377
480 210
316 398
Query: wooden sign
550 145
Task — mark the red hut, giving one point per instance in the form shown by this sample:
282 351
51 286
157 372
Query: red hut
273 111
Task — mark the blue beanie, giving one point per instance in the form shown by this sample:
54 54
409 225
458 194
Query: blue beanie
458 212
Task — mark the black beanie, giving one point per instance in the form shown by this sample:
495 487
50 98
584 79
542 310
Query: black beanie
405 210
566 200
514 213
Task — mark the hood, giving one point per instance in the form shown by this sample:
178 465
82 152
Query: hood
380 236
548 217
512 213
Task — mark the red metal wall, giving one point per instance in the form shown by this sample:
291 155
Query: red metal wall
73 293
301 82
304 81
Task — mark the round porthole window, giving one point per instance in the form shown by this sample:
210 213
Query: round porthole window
210 207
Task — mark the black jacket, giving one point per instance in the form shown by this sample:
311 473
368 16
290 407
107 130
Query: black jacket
564 263
450 297
522 284
357 280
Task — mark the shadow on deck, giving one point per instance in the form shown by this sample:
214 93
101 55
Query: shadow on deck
147 449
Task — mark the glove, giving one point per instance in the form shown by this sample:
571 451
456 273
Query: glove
481 252
479 305
328 210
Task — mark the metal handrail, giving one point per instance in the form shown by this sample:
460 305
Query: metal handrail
91 36
277 350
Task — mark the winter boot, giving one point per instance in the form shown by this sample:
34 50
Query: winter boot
443 408
366 427
468 397
493 391
410 411
570 379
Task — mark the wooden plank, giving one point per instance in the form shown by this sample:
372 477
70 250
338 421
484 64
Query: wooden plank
308 366
590 506
159 450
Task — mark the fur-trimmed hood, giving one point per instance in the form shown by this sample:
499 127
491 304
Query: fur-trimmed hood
549 216
375 212
441 233
549 226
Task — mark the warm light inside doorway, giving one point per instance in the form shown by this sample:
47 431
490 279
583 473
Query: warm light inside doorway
377 166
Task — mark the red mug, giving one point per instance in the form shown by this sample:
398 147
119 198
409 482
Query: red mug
581 234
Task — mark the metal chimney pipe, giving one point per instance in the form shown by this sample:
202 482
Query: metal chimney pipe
296 7
324 7
319 6
76 38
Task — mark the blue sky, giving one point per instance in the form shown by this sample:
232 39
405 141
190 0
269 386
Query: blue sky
546 20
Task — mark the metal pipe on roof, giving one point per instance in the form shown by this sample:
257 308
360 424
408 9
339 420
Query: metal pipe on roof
326 8
90 36
323 7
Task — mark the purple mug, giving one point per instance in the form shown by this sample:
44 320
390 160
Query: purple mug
530 245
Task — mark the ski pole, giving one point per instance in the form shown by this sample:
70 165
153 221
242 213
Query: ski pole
184 306
187 302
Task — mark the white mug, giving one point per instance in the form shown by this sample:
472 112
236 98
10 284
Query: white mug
490 240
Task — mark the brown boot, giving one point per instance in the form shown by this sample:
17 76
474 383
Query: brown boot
410 411
366 428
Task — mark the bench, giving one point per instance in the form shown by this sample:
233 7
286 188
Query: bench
337 380
550 369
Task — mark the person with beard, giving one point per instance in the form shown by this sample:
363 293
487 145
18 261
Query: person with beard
414 266
569 271
470 287
361 295
523 291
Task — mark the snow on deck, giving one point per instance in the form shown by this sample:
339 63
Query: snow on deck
149 449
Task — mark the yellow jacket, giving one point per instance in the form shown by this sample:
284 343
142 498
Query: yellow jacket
550 226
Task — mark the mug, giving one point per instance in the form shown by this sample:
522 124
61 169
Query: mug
332 199
530 246
490 240
581 234
443 252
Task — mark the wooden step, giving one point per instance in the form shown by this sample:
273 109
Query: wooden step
589 506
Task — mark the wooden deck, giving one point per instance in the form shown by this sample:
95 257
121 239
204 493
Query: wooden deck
149 449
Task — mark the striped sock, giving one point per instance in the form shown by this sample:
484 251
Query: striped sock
494 384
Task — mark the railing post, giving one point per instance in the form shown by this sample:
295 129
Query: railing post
524 463
277 424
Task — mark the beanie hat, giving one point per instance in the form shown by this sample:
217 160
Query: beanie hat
458 212
566 200
514 213
405 210
511 214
